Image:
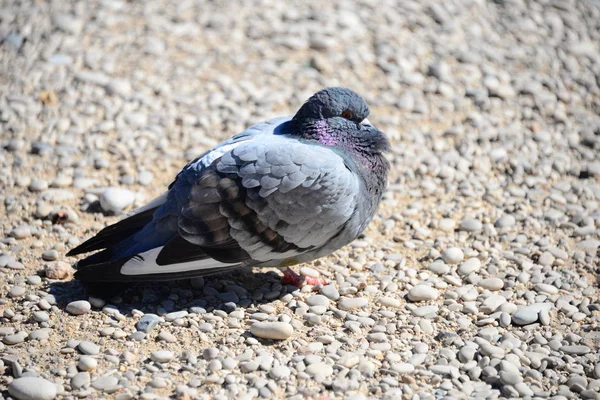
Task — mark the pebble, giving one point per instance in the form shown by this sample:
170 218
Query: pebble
529 314
491 284
50 255
116 200
58 270
469 266
147 322
32 388
167 336
319 369
272 330
447 224
161 356
331 292
79 307
105 383
80 380
87 363
505 221
423 293
88 348
352 303
471 225
453 255
41 316
67 23
389 302
17 291
575 349
21 232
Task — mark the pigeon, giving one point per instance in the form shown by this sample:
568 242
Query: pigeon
282 192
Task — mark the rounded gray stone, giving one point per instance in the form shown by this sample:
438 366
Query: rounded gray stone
32 388
88 348
79 307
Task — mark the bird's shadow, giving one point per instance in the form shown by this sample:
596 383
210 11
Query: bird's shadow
227 292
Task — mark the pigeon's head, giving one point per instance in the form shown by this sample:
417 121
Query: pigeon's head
334 102
337 117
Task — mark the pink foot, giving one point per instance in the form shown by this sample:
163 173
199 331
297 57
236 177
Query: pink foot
291 277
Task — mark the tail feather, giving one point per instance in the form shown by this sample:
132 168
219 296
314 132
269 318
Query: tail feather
143 268
113 234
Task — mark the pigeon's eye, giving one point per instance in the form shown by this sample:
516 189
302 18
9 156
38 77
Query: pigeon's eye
347 114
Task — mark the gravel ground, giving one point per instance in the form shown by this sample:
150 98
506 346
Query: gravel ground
478 278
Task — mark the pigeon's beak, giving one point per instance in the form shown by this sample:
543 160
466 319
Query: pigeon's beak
366 122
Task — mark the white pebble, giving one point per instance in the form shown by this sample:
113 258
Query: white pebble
423 293
272 330
115 200
161 356
31 388
453 255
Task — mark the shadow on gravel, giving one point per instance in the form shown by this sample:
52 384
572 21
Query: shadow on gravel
228 291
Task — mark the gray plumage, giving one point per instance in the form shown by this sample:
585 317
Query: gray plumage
285 191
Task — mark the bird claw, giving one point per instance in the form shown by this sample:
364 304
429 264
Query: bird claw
291 277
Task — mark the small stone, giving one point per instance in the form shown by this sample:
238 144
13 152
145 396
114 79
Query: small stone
272 330
197 283
505 221
447 224
105 383
471 225
21 232
403 368
41 316
469 266
50 255
389 302
310 272
80 380
147 322
319 369
17 338
210 353
280 372
526 315
510 378
466 354
67 23
317 300
88 348
491 284
331 292
32 388
546 259
17 291
545 288
453 255
38 185
439 268
58 270
167 336
120 87
352 303
161 356
575 349
116 200
87 363
423 292
79 307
